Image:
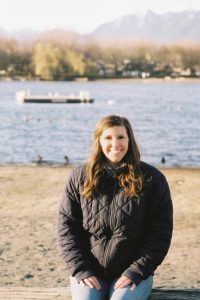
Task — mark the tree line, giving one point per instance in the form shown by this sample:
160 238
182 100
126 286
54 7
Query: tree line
57 59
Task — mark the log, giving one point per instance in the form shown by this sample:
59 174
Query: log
175 294
33 293
30 293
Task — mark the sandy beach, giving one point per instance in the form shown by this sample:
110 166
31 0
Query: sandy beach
29 254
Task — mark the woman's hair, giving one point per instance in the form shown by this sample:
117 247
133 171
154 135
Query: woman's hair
130 179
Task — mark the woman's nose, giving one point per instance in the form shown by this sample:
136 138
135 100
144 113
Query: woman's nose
115 142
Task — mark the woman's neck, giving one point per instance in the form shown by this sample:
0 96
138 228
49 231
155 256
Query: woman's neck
113 165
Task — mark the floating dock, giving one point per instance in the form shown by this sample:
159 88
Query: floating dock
26 97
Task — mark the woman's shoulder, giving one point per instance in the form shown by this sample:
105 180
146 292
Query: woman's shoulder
154 178
78 169
75 177
150 171
77 172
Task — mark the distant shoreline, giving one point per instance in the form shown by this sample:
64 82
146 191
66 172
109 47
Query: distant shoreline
149 80
144 80
72 166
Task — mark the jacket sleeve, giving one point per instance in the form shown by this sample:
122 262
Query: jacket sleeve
71 236
158 235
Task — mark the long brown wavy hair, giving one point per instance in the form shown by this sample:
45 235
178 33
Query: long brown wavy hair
131 179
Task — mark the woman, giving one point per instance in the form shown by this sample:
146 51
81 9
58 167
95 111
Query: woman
115 218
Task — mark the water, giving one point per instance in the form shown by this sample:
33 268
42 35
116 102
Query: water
165 118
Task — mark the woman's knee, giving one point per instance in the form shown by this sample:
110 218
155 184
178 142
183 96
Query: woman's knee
141 292
83 292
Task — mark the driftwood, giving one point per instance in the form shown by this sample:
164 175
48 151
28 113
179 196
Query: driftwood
175 294
30 293
21 293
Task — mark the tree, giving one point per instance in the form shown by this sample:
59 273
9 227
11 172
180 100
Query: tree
47 61
76 62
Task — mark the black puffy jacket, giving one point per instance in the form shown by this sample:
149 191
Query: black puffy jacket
112 234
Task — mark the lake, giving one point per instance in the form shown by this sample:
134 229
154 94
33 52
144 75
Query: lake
164 114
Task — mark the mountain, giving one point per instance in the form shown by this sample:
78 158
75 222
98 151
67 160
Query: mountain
160 28
29 35
168 27
59 36
20 35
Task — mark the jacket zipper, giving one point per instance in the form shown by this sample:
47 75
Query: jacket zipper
110 222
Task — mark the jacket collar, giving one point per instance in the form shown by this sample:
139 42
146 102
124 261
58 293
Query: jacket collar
115 171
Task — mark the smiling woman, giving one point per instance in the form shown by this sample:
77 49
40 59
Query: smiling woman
114 147
114 144
115 218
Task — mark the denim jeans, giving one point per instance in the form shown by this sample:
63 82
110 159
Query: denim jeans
107 291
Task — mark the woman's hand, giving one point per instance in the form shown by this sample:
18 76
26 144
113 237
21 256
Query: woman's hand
92 282
124 281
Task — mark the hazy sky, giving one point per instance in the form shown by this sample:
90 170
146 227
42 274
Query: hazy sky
80 15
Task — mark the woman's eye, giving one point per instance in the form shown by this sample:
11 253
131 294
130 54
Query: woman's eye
108 137
121 137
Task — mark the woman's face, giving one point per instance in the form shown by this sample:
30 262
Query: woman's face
114 143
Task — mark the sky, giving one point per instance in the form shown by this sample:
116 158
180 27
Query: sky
82 16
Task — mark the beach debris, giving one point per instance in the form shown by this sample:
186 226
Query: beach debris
51 269
28 276
39 269
179 181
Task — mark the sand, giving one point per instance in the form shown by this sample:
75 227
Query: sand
29 254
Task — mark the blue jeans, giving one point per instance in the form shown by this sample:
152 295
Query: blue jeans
107 291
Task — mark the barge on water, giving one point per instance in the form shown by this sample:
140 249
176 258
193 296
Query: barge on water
26 97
